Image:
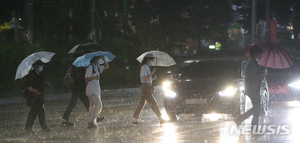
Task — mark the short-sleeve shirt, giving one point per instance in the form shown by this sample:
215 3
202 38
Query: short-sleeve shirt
36 81
93 86
145 71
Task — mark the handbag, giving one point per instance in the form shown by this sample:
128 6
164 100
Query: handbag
68 80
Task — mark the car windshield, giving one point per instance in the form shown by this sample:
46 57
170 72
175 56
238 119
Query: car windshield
284 74
216 68
279 72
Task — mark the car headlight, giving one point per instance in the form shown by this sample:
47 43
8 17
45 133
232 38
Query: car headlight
228 91
295 84
170 93
166 85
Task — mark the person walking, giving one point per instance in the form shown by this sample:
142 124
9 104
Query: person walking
78 92
93 90
253 79
34 86
146 77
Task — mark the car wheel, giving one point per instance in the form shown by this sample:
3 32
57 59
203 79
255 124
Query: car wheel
242 107
241 104
264 104
172 116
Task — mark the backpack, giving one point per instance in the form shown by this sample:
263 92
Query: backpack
68 81
94 69
93 72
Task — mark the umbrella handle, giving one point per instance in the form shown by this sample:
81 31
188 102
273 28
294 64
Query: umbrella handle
50 85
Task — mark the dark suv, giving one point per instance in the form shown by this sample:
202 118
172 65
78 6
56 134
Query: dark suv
284 84
208 86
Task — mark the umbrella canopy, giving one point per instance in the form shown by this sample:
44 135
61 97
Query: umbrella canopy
161 58
273 56
84 60
87 47
25 66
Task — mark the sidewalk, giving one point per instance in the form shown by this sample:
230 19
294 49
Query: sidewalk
111 93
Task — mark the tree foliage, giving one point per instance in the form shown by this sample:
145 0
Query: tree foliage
180 20
287 12
125 31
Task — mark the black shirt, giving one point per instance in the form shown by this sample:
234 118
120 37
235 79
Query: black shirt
78 74
36 81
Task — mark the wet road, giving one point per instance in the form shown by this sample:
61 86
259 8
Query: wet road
117 126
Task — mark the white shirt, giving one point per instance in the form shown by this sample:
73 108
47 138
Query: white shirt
145 71
93 86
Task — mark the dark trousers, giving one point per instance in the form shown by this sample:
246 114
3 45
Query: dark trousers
76 94
253 111
147 96
36 109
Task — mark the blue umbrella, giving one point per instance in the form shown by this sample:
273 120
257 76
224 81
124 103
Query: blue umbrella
84 60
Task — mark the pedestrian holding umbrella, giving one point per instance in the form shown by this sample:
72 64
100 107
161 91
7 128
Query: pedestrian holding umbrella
76 74
273 55
253 79
32 66
151 58
92 76
75 78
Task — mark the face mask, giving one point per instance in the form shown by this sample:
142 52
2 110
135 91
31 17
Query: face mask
99 61
257 59
40 69
150 63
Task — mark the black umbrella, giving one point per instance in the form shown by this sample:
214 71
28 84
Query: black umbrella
87 47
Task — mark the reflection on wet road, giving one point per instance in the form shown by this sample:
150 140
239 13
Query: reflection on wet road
118 127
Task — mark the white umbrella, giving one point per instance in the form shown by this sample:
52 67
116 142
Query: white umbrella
161 58
25 66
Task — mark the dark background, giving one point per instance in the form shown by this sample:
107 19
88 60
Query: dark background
126 31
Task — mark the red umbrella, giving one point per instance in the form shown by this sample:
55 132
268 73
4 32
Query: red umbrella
273 56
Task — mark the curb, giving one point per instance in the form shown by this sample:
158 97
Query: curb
110 93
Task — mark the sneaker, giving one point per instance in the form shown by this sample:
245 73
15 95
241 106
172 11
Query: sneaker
162 121
29 131
135 122
99 119
237 123
47 130
92 126
67 123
